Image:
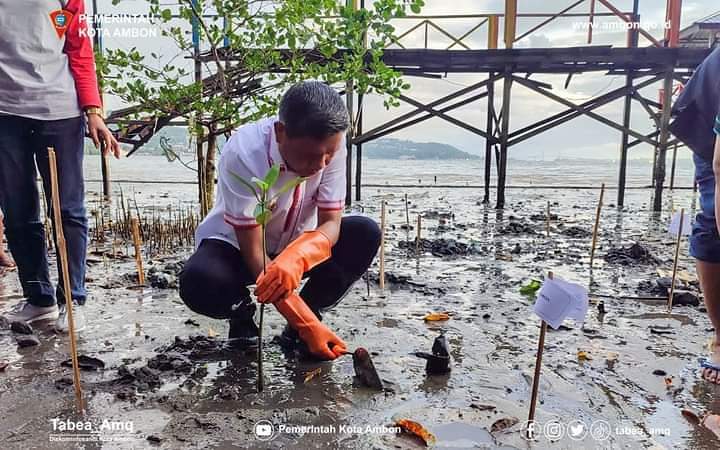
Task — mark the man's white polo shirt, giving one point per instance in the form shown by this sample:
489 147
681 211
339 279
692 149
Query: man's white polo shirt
250 152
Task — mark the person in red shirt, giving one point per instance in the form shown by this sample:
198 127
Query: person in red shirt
49 97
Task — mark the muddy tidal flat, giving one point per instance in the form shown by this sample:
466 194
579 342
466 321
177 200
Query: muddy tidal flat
170 380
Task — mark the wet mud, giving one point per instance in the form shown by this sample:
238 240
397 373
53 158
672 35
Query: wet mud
173 374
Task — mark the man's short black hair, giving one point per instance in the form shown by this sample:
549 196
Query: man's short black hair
313 109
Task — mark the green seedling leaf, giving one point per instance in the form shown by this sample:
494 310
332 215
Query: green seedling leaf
260 183
259 209
531 288
290 184
272 176
263 218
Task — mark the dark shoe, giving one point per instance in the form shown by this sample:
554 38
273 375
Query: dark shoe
291 344
289 338
244 331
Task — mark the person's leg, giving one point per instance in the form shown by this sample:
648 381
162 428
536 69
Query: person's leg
328 283
20 203
705 247
5 259
213 282
351 256
67 137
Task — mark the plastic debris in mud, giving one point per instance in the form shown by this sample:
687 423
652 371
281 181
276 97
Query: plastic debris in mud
365 369
438 362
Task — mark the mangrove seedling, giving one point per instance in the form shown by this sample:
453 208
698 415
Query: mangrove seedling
260 188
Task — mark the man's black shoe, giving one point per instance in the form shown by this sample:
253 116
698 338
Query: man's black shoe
243 329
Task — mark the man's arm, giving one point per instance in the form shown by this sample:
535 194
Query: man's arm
250 243
329 224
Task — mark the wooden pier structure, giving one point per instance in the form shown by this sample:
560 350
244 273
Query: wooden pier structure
662 62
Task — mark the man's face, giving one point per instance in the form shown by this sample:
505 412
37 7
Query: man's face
306 156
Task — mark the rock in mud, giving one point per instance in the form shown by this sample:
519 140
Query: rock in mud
503 424
576 232
161 280
517 228
659 286
543 217
634 254
141 379
86 363
438 215
171 361
4 323
64 382
21 327
442 247
195 346
27 340
685 298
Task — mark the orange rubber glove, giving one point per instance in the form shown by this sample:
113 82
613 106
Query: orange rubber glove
321 341
284 273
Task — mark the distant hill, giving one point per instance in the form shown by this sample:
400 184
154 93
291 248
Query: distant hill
400 149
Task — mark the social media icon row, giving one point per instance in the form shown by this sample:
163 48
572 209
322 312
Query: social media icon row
577 430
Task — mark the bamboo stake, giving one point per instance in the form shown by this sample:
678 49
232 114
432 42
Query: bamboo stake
547 222
138 253
597 225
538 365
407 214
417 240
62 254
382 246
675 261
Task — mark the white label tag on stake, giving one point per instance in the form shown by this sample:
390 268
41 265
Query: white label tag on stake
674 226
558 300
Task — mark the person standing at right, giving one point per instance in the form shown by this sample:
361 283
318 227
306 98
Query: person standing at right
697 124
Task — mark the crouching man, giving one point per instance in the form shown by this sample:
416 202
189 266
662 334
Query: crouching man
306 235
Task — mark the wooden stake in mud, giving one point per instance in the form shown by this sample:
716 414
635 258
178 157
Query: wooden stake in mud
62 254
597 225
675 261
538 365
138 254
407 215
547 223
417 240
382 246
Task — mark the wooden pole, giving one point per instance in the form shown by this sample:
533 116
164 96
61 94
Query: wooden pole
663 141
675 261
382 246
490 128
591 22
597 225
504 136
138 253
62 254
672 169
633 38
417 240
547 222
407 214
510 22
538 365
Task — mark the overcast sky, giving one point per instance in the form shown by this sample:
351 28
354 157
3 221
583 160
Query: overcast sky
579 137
